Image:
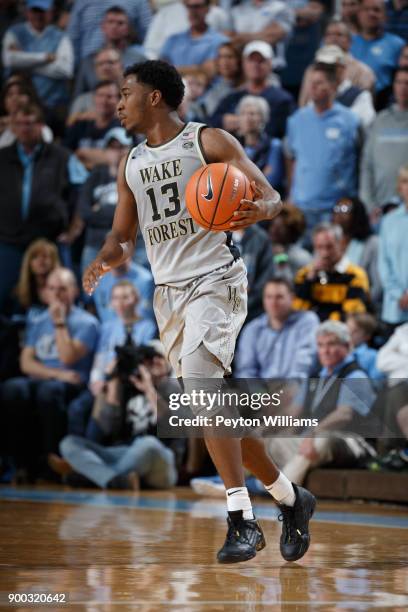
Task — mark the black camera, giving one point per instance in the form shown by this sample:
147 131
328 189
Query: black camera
129 357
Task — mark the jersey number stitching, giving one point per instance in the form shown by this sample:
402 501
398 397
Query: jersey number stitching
173 198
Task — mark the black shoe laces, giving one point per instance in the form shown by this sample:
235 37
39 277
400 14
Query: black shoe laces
288 518
238 530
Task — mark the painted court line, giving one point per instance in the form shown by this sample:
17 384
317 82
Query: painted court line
201 508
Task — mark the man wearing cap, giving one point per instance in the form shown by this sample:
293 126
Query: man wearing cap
43 50
195 48
257 68
360 75
358 101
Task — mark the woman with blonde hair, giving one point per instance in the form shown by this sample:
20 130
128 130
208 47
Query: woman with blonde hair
40 258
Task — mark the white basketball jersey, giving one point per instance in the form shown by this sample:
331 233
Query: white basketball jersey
178 249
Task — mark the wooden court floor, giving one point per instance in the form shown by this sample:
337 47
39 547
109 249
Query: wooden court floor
156 551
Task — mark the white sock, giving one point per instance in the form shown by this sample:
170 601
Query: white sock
282 490
238 499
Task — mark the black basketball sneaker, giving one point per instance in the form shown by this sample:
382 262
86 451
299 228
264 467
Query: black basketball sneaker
295 538
244 539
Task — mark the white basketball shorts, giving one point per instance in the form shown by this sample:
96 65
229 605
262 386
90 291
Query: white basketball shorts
209 310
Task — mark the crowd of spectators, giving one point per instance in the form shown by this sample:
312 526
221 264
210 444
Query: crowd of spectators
316 91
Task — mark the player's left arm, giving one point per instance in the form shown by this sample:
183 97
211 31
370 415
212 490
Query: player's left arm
219 146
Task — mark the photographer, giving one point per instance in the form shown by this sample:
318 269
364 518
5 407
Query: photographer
124 301
137 454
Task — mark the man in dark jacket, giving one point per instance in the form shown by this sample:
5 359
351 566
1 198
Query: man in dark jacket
34 197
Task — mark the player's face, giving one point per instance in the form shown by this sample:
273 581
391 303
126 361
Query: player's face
133 108
331 351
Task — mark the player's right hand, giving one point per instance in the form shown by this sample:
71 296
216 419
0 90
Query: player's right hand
93 274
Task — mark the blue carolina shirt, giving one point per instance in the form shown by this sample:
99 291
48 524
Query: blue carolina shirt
181 49
325 149
393 263
52 91
82 326
140 278
380 54
264 352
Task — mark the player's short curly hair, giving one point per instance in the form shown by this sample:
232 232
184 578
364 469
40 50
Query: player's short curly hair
162 76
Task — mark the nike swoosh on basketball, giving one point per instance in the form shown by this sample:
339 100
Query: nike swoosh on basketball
210 193
232 492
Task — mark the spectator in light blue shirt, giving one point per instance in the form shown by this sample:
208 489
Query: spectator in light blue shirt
393 258
378 49
124 302
55 360
196 47
322 143
362 327
43 50
87 15
280 343
44 341
139 276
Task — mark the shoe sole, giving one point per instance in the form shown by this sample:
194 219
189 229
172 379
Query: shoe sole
306 547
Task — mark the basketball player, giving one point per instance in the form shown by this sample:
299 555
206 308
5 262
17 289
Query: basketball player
197 273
